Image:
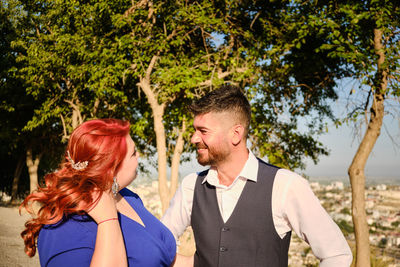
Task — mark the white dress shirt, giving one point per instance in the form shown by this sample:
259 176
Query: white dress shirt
294 207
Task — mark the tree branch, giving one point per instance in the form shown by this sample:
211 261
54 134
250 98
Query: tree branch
223 75
150 68
76 108
65 136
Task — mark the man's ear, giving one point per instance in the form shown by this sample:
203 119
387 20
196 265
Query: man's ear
237 134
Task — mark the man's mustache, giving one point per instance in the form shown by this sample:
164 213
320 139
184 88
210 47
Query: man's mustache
201 146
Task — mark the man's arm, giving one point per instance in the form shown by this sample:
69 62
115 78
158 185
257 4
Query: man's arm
177 217
313 224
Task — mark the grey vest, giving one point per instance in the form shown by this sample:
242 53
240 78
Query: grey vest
248 238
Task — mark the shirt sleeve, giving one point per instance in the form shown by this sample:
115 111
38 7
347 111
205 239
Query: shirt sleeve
177 217
312 223
74 257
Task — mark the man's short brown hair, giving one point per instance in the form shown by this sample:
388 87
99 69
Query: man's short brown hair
227 98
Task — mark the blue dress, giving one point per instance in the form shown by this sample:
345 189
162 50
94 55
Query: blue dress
71 242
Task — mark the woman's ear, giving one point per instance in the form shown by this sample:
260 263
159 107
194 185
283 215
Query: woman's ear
237 134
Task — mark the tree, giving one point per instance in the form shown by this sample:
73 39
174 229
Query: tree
169 49
174 57
260 52
67 64
62 52
103 58
295 82
366 35
16 108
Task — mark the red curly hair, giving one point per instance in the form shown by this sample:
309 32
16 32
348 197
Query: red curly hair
100 142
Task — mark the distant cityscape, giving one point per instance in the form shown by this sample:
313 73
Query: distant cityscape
369 180
325 180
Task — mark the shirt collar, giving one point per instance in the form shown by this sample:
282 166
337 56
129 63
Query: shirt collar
249 171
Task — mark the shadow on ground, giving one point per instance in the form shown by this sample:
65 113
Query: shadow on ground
11 244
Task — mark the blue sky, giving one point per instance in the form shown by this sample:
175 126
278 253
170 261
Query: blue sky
343 142
384 161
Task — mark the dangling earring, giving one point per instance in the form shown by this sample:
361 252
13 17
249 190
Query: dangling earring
115 187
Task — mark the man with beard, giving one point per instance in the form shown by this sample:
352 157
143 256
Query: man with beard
242 210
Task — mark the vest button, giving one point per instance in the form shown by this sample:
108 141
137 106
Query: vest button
224 229
223 249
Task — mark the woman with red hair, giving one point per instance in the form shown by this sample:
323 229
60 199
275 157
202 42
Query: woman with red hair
86 216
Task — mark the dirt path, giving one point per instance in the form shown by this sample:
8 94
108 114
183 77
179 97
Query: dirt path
11 244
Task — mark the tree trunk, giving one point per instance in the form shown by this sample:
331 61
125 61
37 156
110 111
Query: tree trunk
356 169
76 114
17 175
33 164
176 160
162 159
165 191
159 129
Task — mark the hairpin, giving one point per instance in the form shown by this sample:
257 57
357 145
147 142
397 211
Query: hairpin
79 165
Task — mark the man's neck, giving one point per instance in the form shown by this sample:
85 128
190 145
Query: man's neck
230 169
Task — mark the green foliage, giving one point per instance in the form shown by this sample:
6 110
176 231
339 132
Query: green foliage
257 50
345 211
15 106
351 28
67 60
89 56
293 85
346 228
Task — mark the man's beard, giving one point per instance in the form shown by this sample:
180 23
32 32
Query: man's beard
214 155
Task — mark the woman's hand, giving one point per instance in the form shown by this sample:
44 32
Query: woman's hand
104 208
110 247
